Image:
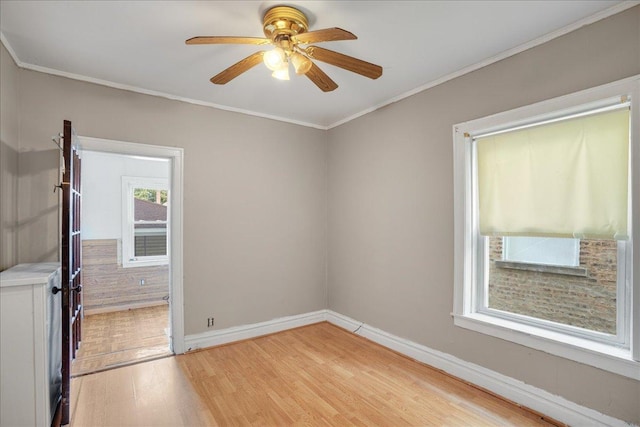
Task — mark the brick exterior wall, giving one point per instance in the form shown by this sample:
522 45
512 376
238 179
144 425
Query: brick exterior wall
587 302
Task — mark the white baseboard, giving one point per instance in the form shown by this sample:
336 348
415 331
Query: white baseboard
123 307
238 333
524 394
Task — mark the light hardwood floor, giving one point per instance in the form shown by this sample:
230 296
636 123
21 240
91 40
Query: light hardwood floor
315 375
122 337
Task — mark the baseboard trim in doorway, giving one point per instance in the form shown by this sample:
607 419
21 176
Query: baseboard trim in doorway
113 308
509 388
123 364
238 333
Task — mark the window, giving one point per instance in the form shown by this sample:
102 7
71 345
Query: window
545 224
542 250
145 221
581 298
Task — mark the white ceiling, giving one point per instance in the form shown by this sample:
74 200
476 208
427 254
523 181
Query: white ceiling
139 45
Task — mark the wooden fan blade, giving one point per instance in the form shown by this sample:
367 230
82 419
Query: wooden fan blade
325 35
350 63
317 76
227 40
238 68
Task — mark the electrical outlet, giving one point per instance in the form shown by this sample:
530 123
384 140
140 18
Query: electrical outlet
141 282
210 322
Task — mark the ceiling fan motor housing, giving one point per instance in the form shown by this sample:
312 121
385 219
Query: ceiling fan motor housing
284 21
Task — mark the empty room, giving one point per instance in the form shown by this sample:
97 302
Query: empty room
378 213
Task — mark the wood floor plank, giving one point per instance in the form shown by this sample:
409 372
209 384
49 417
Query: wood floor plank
121 337
318 375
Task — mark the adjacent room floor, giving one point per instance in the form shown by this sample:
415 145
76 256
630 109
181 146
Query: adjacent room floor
314 375
122 337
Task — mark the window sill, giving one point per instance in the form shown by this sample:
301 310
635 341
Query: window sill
543 268
602 356
145 263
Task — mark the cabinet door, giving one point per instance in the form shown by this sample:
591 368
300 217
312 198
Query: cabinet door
17 363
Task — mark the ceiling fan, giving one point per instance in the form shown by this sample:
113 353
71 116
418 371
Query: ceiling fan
286 28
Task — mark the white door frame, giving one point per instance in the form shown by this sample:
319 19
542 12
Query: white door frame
176 180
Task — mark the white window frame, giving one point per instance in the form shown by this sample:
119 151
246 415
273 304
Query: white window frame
129 184
620 354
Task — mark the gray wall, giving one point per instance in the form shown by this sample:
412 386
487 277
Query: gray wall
391 207
9 122
254 195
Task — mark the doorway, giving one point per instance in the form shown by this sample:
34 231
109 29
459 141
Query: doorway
131 253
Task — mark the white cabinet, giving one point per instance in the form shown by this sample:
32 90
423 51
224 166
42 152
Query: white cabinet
30 344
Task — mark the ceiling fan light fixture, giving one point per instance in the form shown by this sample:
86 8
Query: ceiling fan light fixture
301 63
286 28
274 59
282 73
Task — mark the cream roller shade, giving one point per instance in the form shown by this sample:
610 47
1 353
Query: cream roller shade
564 179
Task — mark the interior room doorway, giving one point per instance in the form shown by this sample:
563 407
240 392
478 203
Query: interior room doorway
125 249
130 253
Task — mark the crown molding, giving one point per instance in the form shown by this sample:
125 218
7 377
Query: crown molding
619 7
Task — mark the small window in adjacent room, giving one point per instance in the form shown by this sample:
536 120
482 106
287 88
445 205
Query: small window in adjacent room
145 221
545 225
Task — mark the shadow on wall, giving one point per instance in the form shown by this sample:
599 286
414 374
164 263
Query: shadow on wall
38 206
9 206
